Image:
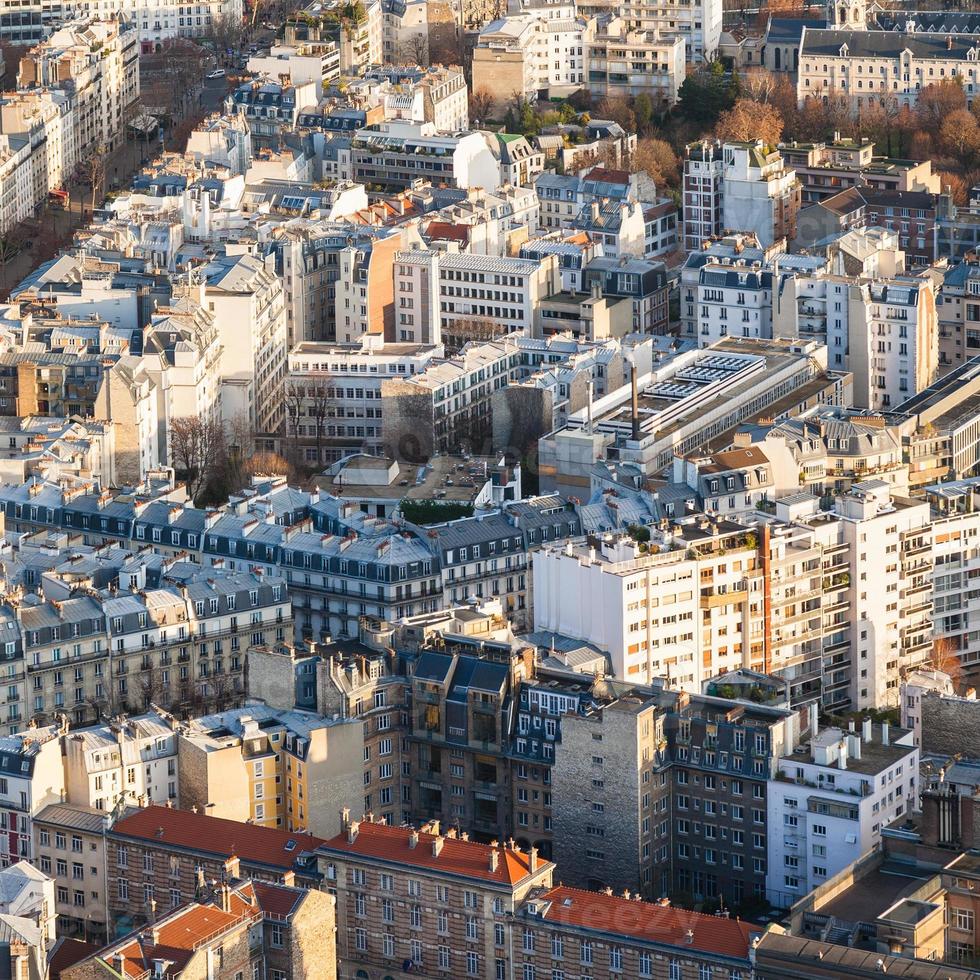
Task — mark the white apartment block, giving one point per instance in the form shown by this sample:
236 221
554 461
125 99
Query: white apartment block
733 298
529 54
888 332
477 296
698 23
97 63
246 298
759 194
125 763
626 62
956 554
346 417
33 778
830 800
890 589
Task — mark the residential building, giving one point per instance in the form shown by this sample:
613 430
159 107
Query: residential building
157 854
69 845
97 63
225 931
830 801
270 767
759 193
441 898
703 193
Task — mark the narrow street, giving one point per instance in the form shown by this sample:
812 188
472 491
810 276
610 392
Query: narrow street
55 226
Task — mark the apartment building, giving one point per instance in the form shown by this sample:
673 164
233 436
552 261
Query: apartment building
958 310
97 62
270 767
437 94
69 846
699 24
225 931
178 643
157 854
121 763
624 61
599 934
530 53
32 778
890 591
246 298
334 404
441 900
392 155
831 799
360 41
889 331
671 792
759 193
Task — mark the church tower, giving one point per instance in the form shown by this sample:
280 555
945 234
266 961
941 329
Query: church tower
847 15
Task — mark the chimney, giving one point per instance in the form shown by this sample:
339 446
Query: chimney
413 839
119 963
866 729
854 746
814 719
352 831
345 817
884 733
437 843
842 753
224 894
532 860
494 860
634 404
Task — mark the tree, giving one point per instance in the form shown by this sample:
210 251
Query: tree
748 120
658 159
617 108
705 94
91 170
643 111
937 101
481 105
227 32
956 185
959 135
268 464
759 84
197 450
11 245
415 50
944 657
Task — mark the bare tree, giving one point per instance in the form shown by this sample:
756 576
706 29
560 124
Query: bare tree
415 51
197 448
461 332
91 170
227 32
268 464
11 245
944 657
481 105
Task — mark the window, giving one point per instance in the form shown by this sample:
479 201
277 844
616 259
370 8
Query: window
360 939
472 964
963 919
444 957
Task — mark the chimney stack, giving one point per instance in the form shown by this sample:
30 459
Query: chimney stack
437 843
884 733
532 860
866 729
352 831
494 860
413 839
842 753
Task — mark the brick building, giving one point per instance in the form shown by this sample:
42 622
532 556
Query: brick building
156 857
424 902
250 929
602 936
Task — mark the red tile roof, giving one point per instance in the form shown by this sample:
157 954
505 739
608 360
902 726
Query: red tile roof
178 936
215 835
608 176
647 921
446 231
68 952
277 899
458 857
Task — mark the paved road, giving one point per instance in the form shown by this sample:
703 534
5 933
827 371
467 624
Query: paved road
56 226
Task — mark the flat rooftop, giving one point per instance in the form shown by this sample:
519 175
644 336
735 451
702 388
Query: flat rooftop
873 893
